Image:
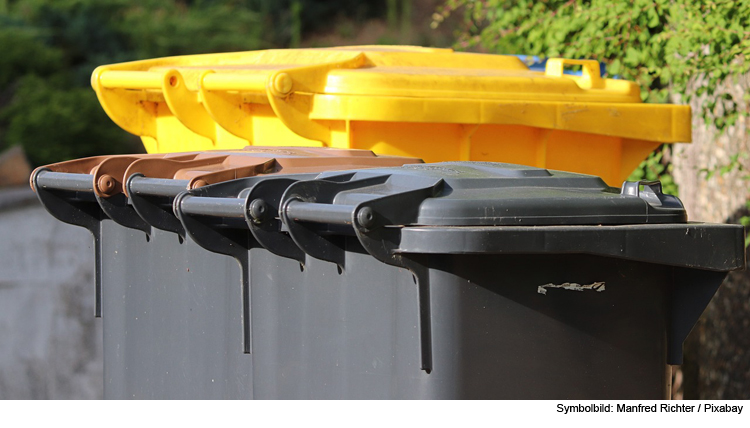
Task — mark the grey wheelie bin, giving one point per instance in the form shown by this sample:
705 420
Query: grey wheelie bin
463 280
450 280
169 332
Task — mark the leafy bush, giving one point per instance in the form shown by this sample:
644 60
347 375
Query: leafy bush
50 47
661 44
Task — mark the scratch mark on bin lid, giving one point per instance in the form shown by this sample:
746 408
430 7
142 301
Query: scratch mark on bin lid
596 286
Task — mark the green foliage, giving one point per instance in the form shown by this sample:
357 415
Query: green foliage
745 221
661 44
24 51
734 164
54 122
286 21
158 28
50 47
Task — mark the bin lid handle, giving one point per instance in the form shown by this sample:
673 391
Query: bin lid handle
591 77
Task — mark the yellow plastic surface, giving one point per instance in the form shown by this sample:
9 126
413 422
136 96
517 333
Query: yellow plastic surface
435 104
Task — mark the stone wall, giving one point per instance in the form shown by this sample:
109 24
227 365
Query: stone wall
50 342
717 357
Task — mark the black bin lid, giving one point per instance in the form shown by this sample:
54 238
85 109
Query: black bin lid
484 194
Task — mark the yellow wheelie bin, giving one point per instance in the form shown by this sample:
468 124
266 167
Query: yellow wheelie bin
435 104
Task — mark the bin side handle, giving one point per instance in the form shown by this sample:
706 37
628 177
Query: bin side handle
311 202
221 95
149 208
382 243
291 91
233 242
57 202
373 223
186 105
124 96
127 108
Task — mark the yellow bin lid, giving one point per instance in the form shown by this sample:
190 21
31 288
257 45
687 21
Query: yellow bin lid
337 97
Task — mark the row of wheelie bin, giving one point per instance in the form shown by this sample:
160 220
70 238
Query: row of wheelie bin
283 238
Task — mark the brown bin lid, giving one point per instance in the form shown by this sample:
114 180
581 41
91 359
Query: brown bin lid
210 167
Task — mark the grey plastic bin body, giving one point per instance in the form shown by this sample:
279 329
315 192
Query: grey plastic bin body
172 328
454 280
